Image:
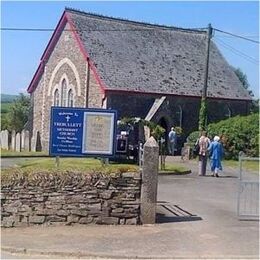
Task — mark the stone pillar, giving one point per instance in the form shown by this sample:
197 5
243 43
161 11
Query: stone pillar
13 141
149 181
18 142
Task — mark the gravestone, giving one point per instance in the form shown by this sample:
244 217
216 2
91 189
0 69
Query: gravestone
149 181
26 141
33 144
22 140
13 140
18 142
4 139
1 139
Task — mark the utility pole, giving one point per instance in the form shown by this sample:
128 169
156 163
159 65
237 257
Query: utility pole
203 106
209 35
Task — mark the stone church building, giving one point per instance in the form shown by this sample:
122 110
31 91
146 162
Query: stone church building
139 69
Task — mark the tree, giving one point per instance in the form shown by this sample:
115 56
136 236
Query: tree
18 115
243 78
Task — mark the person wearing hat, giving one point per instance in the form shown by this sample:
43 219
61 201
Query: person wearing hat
216 151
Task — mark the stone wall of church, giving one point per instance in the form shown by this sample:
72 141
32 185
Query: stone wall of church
37 102
65 62
176 110
95 93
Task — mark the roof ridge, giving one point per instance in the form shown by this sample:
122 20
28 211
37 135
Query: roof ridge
133 22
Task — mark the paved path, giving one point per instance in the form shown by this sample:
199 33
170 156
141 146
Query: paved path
209 227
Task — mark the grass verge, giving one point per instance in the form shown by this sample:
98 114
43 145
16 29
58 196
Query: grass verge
171 168
5 153
247 165
85 165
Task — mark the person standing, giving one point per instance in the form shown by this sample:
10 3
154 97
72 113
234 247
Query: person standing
172 141
216 151
204 143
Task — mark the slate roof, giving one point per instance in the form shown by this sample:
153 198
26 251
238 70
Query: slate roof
141 57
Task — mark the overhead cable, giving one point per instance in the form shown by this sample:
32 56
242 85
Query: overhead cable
237 52
104 30
238 36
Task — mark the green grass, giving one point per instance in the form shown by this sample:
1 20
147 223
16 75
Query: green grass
15 154
248 165
72 164
174 169
86 165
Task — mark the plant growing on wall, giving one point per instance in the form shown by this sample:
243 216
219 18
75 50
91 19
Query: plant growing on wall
203 115
156 130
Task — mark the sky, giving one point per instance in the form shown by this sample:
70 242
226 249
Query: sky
21 50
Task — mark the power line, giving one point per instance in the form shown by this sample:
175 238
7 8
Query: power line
238 36
229 36
101 30
237 52
129 30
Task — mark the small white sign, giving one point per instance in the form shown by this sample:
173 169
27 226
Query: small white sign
98 133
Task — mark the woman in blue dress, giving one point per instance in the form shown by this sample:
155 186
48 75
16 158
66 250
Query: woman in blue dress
216 151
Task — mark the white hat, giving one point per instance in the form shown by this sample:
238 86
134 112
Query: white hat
216 138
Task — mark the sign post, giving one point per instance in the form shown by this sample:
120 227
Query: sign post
82 132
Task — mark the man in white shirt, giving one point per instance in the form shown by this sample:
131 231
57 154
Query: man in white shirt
172 141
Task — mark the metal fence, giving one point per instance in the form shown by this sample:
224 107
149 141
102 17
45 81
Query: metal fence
248 192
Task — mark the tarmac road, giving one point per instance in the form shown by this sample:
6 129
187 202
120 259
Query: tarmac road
206 227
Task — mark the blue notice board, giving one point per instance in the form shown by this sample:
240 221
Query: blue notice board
82 132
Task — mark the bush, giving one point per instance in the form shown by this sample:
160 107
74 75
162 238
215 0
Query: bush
192 138
240 133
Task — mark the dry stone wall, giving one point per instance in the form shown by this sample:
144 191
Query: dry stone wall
69 198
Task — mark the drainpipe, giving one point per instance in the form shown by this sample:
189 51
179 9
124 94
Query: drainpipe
87 87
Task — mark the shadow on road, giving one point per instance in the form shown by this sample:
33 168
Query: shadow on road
167 212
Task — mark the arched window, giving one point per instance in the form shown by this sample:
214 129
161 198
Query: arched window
70 98
56 98
227 112
63 93
179 116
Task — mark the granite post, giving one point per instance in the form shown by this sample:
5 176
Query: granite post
149 181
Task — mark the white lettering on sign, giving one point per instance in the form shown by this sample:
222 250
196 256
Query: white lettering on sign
68 124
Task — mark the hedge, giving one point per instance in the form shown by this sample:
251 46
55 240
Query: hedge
240 133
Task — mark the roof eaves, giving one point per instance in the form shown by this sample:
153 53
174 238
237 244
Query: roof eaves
173 94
